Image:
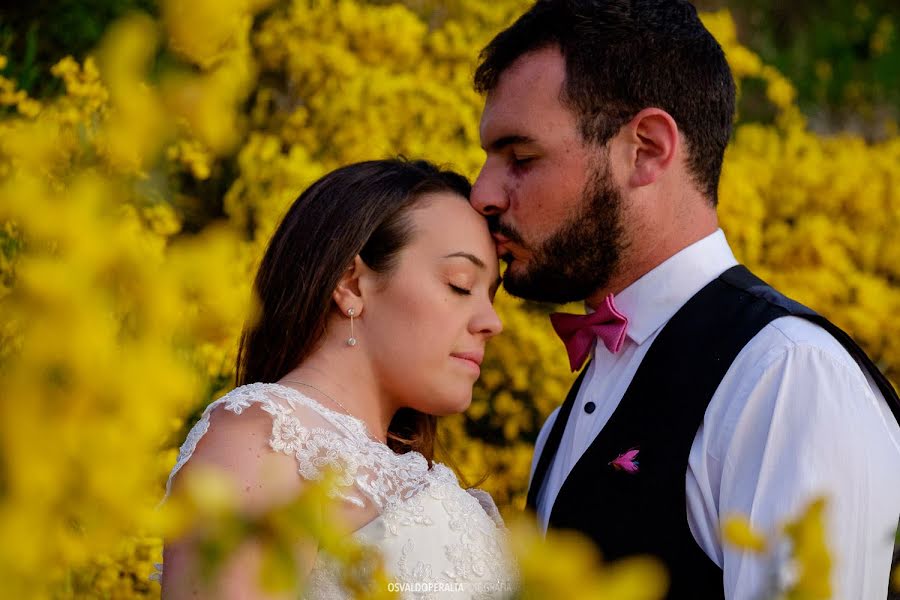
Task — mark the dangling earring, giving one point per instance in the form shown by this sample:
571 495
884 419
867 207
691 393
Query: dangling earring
351 341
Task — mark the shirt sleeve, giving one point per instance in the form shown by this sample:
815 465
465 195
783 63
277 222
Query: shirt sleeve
796 423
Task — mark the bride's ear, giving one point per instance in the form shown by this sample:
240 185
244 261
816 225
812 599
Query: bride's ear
348 292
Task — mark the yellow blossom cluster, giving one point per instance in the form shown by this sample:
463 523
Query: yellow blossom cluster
809 557
10 96
343 80
106 314
745 64
118 323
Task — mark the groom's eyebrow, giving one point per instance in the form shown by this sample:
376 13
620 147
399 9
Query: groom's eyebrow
507 140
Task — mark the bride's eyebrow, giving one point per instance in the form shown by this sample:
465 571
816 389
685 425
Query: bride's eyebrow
471 257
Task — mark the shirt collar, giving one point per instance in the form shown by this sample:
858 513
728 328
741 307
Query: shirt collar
653 299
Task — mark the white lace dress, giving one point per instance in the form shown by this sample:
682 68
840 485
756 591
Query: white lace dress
437 539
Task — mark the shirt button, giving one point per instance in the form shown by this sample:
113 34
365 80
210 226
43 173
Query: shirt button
589 407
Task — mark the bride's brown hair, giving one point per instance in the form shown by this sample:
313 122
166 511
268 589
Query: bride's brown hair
362 209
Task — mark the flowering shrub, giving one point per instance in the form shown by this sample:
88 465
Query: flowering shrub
120 307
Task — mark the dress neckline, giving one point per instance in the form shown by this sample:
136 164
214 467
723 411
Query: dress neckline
359 422
363 429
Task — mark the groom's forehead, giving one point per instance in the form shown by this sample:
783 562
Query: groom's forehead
507 121
527 93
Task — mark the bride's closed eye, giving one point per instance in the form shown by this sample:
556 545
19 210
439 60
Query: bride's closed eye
460 290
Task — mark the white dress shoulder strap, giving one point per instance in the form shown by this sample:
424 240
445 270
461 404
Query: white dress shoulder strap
319 439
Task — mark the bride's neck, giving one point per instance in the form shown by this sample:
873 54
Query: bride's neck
346 375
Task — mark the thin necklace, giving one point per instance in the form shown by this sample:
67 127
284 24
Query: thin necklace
365 427
321 392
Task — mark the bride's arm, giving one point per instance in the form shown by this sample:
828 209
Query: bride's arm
238 445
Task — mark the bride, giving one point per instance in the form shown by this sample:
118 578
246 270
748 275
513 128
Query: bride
375 301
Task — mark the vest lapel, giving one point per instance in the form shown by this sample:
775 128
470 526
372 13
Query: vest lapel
553 441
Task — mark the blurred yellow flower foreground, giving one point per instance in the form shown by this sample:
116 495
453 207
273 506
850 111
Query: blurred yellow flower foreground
122 293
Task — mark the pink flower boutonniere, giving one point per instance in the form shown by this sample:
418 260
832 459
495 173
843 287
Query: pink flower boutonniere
627 461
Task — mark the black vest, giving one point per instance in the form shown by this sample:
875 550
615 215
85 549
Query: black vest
645 512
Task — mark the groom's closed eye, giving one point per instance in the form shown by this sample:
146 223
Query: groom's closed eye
506 141
522 161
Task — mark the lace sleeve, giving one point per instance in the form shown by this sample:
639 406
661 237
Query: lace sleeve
298 431
487 503
318 450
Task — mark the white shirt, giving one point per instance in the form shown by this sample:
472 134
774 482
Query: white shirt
794 418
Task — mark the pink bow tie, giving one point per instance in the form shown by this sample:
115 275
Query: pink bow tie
578 331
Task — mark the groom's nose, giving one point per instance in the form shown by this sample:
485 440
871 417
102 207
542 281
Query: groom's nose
488 194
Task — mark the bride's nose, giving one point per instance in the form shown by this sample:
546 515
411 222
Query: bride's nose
486 321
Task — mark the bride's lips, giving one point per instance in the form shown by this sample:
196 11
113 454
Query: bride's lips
471 359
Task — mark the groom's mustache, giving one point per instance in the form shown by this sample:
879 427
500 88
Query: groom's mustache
495 226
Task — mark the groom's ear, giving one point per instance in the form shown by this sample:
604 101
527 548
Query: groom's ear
349 291
655 143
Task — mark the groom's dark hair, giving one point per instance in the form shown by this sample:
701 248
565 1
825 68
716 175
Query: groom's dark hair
626 55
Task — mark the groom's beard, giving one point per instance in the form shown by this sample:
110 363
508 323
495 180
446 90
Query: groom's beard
581 256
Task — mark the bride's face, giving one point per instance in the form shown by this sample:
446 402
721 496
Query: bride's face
427 322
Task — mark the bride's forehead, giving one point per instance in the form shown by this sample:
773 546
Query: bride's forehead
446 215
445 224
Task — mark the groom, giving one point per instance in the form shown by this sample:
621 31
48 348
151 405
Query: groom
706 392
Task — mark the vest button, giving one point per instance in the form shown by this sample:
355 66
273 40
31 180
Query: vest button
589 407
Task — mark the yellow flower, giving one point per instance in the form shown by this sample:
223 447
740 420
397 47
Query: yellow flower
567 565
203 31
737 531
137 126
779 90
811 553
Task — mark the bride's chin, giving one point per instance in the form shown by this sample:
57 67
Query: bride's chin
455 405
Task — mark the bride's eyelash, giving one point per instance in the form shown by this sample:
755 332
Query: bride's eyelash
460 291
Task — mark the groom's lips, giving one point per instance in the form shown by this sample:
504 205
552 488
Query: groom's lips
501 241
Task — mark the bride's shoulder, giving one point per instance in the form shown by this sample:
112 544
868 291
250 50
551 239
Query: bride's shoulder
279 401
442 472
232 437
271 397
247 407
488 505
268 430
255 416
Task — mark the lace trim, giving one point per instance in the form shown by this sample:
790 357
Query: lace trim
475 547
488 505
372 467
382 475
